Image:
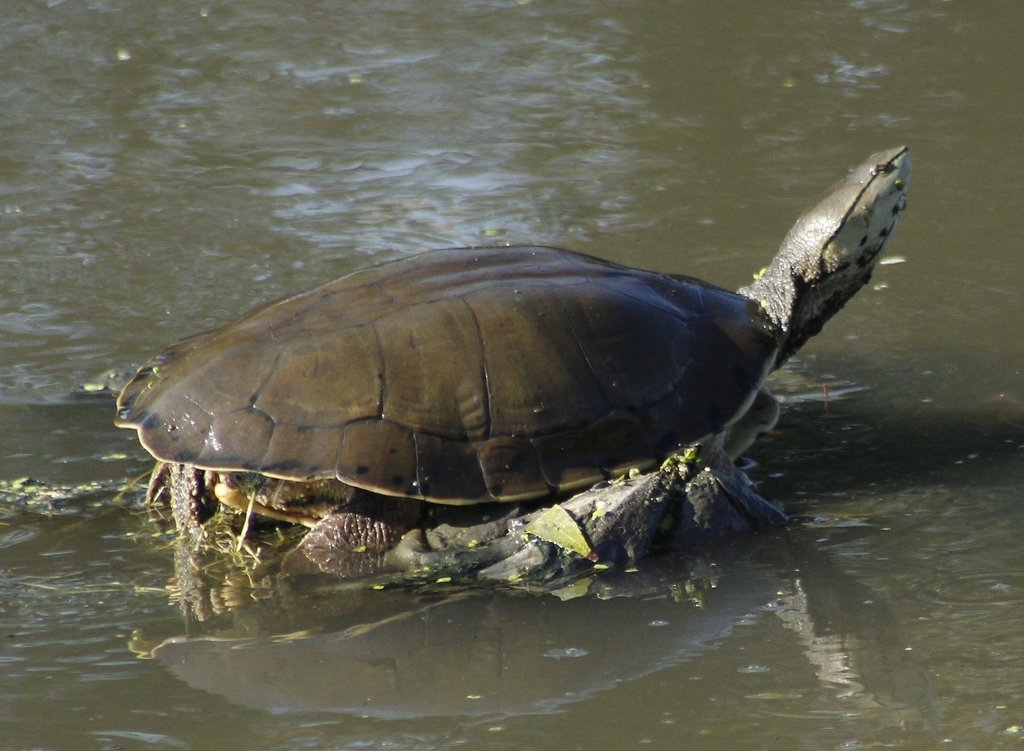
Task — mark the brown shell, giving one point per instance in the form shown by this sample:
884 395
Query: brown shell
459 376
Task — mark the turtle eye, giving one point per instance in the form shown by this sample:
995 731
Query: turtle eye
899 184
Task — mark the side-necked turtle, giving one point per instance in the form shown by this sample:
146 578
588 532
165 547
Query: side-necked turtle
473 375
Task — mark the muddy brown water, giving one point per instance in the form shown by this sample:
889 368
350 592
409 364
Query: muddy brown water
164 167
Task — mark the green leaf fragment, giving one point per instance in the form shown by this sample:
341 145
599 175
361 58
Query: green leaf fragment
577 589
557 526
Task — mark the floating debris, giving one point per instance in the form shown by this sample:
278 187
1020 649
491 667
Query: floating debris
562 653
27 494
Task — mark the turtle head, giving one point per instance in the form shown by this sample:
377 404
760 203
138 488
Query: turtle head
832 249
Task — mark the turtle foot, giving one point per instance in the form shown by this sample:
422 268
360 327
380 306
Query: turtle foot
352 544
722 501
186 490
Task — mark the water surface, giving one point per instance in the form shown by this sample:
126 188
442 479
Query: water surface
164 167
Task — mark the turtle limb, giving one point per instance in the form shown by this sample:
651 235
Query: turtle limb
187 490
719 501
354 540
755 422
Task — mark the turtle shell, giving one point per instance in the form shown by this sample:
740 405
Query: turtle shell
462 375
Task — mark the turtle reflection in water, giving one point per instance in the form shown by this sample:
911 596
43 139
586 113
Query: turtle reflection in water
463 389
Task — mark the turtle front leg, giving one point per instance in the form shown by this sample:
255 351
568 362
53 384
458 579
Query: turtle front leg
188 491
758 420
720 500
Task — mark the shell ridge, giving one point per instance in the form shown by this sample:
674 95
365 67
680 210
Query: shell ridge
388 295
382 376
270 438
699 290
418 483
670 306
586 357
189 398
252 407
483 365
487 375
297 314
263 384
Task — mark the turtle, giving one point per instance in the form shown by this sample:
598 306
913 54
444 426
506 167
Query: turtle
509 376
